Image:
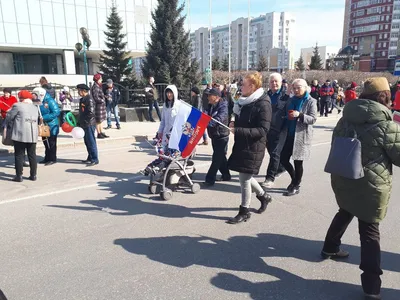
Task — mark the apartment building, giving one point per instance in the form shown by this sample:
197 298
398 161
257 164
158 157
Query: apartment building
373 31
270 36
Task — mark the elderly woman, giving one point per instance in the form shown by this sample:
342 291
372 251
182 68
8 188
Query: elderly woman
22 119
49 112
99 98
370 119
250 125
301 116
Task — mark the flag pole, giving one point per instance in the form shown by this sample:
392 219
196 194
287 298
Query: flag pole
230 42
210 40
248 36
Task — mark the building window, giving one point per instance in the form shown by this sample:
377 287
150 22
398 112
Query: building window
379 45
384 45
383 53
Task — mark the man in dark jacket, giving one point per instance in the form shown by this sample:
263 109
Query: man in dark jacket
325 92
152 99
315 92
218 110
87 121
113 97
198 103
276 138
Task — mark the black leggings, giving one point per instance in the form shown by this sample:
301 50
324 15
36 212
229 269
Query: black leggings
296 172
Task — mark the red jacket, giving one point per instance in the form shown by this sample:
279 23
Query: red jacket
5 104
396 103
349 95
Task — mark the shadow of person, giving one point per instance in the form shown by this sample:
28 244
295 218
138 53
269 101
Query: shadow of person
290 286
184 251
119 205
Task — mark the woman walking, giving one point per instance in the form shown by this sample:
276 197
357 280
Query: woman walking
250 125
49 112
301 116
23 118
369 119
99 99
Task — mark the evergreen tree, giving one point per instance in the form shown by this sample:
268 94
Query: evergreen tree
316 61
262 64
300 64
114 62
168 51
215 64
193 74
225 64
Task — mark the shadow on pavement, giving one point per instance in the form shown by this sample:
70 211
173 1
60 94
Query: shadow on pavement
246 253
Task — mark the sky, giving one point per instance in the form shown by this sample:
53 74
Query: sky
316 20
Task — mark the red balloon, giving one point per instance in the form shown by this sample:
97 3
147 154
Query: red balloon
66 127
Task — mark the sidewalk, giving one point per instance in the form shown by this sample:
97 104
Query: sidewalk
133 132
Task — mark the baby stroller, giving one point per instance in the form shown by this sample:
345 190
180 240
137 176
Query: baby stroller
170 172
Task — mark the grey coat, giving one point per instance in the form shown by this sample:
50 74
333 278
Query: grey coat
24 119
304 129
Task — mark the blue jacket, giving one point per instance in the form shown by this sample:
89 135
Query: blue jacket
50 112
219 112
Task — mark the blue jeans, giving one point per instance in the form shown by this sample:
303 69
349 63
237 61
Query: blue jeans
219 161
276 141
155 104
91 144
110 108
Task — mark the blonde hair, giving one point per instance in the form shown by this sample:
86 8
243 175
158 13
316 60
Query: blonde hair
255 78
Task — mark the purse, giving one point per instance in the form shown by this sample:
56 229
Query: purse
43 130
6 138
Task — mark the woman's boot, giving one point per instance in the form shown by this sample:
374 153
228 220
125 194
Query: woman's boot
243 215
265 200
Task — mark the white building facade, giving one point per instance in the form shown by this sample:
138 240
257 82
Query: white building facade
39 36
270 36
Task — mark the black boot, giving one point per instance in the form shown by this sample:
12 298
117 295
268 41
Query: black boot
243 215
265 200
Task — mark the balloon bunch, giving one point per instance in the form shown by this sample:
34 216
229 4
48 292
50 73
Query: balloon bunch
70 126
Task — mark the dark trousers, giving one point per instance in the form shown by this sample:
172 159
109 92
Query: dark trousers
370 248
50 144
296 172
324 109
90 143
19 153
219 161
155 104
274 146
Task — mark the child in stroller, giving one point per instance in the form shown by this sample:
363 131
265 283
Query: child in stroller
170 171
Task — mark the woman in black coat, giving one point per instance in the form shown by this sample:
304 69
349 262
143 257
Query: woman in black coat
250 125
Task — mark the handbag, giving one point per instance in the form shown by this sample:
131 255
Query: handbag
6 138
43 130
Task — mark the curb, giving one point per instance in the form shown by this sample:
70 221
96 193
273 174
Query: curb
75 144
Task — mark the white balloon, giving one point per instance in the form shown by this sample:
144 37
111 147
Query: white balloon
78 133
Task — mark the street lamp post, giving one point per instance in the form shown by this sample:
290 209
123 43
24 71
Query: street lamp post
83 48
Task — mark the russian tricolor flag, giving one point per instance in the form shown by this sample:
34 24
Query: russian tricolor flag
189 127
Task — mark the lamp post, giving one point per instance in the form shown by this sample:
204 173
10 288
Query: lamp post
83 48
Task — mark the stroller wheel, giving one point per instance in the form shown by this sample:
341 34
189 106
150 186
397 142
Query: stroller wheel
152 188
195 188
166 195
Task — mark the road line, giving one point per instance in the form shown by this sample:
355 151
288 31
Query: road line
84 187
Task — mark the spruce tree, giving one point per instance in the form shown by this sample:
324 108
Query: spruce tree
316 61
262 64
215 64
193 73
114 62
168 51
225 64
300 64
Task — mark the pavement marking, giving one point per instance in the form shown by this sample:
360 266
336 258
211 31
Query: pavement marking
84 187
93 185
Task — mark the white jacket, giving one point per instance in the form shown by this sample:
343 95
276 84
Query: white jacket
168 114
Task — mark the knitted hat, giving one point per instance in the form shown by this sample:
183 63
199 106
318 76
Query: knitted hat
83 87
24 94
96 77
353 85
109 81
376 85
196 90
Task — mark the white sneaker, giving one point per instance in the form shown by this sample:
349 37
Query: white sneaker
268 183
279 174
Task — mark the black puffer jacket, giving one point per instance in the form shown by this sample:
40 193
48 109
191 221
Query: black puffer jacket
251 130
219 112
87 112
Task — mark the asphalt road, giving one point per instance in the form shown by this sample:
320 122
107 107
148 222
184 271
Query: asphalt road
96 233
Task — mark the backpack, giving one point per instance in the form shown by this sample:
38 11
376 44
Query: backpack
345 158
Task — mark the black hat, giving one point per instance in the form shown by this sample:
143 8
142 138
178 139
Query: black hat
328 80
214 91
82 86
284 81
196 90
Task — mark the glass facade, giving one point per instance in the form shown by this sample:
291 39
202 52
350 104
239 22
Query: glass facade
54 24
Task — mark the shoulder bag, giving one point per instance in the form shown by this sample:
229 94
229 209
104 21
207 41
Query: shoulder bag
43 130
